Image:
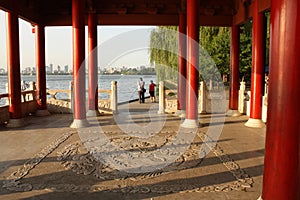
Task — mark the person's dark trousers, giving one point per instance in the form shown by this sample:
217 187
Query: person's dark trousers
141 97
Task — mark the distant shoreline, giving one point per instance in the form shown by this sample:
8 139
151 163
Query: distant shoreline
87 74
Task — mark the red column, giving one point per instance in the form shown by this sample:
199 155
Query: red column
192 64
13 62
181 62
234 68
78 8
281 178
93 68
257 75
40 70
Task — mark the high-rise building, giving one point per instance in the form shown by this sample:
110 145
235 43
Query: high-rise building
51 68
66 70
2 71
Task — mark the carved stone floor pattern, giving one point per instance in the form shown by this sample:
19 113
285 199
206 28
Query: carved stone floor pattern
129 164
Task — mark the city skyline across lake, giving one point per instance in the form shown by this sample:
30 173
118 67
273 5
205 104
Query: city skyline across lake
59 44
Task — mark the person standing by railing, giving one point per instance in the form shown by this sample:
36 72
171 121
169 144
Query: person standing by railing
141 90
152 91
24 85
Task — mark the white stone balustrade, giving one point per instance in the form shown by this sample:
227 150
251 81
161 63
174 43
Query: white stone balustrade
242 101
114 97
202 98
56 105
161 96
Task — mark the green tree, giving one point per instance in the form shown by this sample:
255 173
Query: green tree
163 52
214 51
246 50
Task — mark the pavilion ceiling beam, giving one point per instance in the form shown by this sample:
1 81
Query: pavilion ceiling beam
215 20
136 19
245 10
25 11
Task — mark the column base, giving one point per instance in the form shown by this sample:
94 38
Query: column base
255 123
79 123
190 123
115 112
233 113
42 113
180 113
160 111
93 113
15 123
202 112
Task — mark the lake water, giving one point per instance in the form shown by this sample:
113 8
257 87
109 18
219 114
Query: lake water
127 84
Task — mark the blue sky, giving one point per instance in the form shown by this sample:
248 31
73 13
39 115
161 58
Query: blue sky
59 45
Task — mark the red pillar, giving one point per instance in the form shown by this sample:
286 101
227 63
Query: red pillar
78 8
181 62
234 70
93 68
281 178
192 64
40 70
257 75
14 77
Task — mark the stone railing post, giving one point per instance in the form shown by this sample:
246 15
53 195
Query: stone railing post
202 98
6 90
71 96
242 106
264 108
161 109
32 87
114 97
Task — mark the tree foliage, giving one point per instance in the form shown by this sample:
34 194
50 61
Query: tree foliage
163 52
214 51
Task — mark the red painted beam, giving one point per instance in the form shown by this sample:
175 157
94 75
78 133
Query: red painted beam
245 11
140 19
215 20
192 60
78 7
234 68
93 66
281 178
13 65
40 70
35 13
30 14
181 62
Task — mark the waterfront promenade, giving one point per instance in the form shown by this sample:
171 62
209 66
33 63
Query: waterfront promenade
48 160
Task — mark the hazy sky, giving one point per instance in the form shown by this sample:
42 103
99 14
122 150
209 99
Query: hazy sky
118 45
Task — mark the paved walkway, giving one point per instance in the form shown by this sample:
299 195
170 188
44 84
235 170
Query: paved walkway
136 154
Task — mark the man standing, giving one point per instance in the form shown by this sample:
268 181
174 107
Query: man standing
141 85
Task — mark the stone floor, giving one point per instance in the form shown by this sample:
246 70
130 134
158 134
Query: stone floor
136 154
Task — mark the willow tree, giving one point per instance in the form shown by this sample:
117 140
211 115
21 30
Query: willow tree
214 41
163 52
214 54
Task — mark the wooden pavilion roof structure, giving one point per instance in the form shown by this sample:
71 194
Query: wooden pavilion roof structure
134 12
